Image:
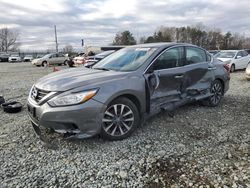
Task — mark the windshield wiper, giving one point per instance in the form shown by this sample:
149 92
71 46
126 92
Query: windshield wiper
100 68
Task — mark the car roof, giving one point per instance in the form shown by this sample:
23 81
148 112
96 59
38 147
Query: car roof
160 45
230 50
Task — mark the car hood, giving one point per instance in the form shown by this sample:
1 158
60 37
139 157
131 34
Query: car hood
225 59
76 77
38 59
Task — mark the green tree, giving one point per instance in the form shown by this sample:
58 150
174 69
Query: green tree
124 38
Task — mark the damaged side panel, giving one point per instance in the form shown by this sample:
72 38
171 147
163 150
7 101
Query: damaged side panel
178 86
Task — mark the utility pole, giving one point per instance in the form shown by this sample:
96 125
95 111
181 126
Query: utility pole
56 40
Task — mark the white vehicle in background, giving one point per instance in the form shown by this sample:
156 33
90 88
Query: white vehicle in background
79 59
51 59
248 72
15 58
28 58
236 59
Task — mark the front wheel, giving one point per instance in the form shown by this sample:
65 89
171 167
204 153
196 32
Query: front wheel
216 90
120 119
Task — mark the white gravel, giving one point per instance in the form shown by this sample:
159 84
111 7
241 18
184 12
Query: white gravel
198 147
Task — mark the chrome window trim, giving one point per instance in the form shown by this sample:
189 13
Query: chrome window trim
168 48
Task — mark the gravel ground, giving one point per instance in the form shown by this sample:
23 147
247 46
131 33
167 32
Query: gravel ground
198 147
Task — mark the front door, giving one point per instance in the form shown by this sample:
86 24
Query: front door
164 78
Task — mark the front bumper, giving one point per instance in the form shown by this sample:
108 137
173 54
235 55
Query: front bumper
248 76
82 120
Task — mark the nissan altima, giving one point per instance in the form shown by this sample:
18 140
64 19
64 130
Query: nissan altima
121 91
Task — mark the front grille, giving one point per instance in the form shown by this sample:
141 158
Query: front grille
38 94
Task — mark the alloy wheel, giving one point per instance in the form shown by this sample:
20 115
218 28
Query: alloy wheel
217 93
118 120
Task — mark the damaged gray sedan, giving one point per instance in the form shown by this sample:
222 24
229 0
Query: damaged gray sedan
117 94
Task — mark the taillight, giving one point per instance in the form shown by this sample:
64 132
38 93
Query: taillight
227 67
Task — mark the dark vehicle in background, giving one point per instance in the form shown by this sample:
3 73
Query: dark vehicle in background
122 90
92 60
4 57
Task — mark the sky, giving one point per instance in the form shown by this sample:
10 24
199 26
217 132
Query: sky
97 21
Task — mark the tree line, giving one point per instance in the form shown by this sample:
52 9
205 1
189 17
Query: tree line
8 40
200 35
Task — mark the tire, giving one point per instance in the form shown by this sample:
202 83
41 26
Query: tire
70 63
217 94
232 68
44 64
120 119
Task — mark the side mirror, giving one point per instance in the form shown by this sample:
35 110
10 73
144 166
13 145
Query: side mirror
238 56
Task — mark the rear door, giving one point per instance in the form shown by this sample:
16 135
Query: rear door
199 72
52 59
164 78
61 58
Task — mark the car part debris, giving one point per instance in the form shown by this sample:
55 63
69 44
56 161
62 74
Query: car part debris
12 107
44 140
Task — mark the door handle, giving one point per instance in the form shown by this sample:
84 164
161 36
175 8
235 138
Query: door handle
178 76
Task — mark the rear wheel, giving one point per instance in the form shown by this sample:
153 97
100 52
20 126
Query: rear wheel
120 119
232 69
44 63
216 90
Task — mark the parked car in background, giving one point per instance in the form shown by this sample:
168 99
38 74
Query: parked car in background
4 57
92 60
15 58
248 72
119 92
28 58
79 59
214 52
51 59
236 59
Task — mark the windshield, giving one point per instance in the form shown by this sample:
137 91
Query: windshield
47 56
127 59
106 53
225 55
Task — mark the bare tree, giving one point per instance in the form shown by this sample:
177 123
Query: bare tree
8 40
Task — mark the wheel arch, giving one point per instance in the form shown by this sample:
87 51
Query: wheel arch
131 97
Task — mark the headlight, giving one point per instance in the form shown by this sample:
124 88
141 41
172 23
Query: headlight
73 98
